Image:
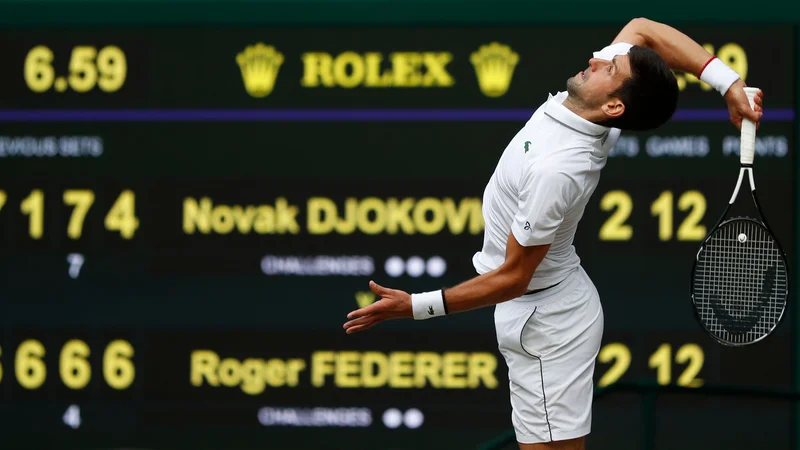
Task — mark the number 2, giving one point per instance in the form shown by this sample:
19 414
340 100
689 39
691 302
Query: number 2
694 355
621 356
615 228
690 229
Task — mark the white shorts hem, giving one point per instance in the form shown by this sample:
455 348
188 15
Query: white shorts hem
557 436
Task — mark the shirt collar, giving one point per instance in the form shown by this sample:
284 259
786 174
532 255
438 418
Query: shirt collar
558 112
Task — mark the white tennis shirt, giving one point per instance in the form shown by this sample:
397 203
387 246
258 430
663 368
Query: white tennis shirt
540 188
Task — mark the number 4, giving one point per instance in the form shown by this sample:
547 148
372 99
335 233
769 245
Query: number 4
122 216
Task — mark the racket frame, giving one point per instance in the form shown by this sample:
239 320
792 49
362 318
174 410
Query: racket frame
721 221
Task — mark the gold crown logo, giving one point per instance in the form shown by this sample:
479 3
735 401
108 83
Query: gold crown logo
259 65
494 65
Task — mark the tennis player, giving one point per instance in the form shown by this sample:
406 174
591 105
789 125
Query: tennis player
548 317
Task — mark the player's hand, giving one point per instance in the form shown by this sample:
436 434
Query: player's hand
393 304
739 107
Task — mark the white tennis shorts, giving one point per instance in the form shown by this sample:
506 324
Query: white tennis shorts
550 342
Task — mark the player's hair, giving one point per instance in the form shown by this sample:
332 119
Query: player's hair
650 95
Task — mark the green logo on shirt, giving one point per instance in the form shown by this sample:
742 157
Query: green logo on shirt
527 143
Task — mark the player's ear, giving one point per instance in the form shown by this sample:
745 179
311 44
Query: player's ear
613 108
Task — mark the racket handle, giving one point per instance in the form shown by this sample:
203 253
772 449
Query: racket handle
748 139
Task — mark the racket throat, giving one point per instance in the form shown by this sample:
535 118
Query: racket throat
745 168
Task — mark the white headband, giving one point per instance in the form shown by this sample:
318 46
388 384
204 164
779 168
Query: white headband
609 52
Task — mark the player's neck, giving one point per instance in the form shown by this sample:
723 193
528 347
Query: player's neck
578 108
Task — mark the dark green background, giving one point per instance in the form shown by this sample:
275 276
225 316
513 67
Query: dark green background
168 292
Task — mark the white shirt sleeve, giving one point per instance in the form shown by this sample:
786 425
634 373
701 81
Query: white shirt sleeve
544 199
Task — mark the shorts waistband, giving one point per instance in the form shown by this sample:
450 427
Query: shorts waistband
536 291
541 295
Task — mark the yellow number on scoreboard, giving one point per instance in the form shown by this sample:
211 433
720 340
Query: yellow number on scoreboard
28 365
33 206
620 202
621 355
118 369
113 68
615 228
662 208
82 71
38 71
690 229
661 360
74 368
82 200
88 67
693 354
122 216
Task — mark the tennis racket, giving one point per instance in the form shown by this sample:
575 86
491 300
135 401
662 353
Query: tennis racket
740 280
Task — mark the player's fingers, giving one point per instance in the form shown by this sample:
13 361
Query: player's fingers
378 289
357 328
365 311
759 99
358 321
751 114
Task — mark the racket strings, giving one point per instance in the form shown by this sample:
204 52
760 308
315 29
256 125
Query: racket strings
740 282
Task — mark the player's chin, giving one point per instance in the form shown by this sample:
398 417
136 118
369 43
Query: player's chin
573 83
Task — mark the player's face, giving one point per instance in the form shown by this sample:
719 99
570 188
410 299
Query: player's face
593 87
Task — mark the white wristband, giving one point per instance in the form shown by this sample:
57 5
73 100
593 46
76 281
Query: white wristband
428 305
718 75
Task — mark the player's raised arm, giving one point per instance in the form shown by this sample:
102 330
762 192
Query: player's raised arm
678 50
682 53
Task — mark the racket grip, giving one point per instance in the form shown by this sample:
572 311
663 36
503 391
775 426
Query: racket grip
748 139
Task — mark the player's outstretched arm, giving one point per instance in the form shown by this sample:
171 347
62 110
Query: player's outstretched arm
682 53
508 281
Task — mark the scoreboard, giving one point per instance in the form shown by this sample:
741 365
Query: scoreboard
187 215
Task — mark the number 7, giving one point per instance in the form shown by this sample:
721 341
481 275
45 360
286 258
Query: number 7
82 200
75 261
